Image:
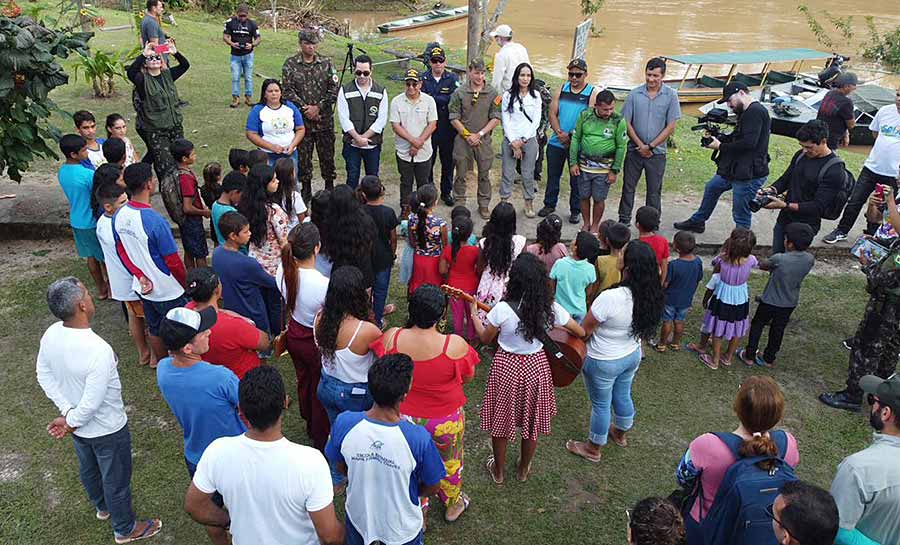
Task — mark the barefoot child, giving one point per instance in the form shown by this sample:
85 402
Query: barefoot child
193 235
682 278
459 262
647 220
571 276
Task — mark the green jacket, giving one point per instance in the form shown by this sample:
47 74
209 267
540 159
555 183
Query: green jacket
596 138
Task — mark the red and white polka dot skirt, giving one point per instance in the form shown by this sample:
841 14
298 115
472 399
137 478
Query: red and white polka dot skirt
519 394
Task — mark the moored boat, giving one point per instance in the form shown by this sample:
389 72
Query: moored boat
433 17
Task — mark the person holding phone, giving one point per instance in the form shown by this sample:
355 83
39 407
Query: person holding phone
242 35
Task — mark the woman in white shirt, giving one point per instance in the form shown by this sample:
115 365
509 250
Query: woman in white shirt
304 289
618 319
117 127
275 125
519 393
521 116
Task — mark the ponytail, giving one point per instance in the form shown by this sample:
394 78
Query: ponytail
462 230
427 196
301 244
759 405
760 445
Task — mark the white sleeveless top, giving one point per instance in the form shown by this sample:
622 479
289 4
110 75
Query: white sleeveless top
346 365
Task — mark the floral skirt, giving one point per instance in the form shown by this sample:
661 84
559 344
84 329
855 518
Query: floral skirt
447 434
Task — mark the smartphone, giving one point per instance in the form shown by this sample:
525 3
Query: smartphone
879 190
161 49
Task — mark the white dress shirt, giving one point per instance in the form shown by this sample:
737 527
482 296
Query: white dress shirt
516 125
77 371
344 112
506 60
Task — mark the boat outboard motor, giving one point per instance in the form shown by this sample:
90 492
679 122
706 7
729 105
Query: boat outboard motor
833 70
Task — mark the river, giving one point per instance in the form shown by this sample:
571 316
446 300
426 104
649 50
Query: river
634 30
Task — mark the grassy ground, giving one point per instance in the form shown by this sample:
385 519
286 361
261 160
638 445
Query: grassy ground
41 499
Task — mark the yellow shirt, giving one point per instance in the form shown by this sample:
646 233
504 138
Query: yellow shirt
607 273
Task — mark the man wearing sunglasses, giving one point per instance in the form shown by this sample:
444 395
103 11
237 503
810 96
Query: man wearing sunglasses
803 514
440 84
362 106
414 118
867 483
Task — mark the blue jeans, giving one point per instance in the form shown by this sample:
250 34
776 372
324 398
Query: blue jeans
104 465
355 157
557 159
742 192
353 537
337 397
380 293
608 383
242 64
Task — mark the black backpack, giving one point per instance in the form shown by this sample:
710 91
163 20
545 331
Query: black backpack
836 206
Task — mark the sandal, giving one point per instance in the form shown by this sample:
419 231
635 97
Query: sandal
741 354
675 347
153 527
660 347
692 347
577 448
465 501
618 437
524 478
489 465
707 360
723 361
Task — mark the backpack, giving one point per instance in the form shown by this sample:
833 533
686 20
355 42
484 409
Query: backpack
836 206
738 515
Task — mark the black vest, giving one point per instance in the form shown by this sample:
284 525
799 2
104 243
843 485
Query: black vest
363 113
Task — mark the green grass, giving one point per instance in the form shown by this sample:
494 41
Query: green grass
41 499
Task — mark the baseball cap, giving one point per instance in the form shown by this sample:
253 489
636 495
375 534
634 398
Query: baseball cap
438 53
412 73
581 64
181 325
887 390
504 31
308 35
477 64
731 89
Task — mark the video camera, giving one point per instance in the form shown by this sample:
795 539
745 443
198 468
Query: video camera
710 124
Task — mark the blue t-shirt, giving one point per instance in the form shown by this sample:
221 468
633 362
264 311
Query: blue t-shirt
571 105
204 399
683 277
572 277
77 182
243 282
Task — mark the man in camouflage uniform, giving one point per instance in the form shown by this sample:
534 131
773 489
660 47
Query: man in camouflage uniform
311 82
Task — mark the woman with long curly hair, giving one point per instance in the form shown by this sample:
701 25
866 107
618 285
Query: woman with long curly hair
343 336
268 222
350 232
655 521
499 248
519 391
619 318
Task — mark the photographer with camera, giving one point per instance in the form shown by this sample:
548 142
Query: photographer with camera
809 185
741 157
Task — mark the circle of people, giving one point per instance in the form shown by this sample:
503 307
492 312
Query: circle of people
384 410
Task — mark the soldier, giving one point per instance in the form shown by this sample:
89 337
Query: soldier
474 112
440 84
310 82
874 348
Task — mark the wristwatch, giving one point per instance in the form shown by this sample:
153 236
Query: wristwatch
481 134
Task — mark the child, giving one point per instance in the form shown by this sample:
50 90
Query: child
287 195
212 183
782 294
232 187
111 197
86 126
114 151
682 278
459 261
647 220
239 160
616 236
428 236
117 127
601 235
77 182
384 250
730 305
257 157
406 258
704 329
319 209
193 235
572 275
461 210
548 248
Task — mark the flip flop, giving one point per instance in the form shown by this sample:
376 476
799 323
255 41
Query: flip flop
389 308
675 347
723 361
577 448
692 347
465 499
661 348
740 354
489 466
153 527
621 441
707 360
527 474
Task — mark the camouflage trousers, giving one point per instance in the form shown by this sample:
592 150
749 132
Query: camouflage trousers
323 141
159 141
874 349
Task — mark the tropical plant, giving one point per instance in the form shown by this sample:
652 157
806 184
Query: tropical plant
882 47
102 68
29 70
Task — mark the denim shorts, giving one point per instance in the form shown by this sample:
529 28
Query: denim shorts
155 311
593 185
193 236
671 313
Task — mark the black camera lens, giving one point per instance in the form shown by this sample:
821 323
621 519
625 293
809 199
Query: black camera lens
758 202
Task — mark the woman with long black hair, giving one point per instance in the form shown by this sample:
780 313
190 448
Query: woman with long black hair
350 232
519 391
499 248
268 222
275 125
520 113
619 318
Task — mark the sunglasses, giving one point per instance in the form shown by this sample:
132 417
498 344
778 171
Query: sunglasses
576 74
437 61
475 96
154 58
362 72
411 83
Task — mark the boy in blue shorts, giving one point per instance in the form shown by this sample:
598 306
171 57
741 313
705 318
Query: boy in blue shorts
77 181
193 234
682 277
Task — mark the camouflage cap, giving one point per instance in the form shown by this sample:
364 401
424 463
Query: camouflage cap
309 35
477 64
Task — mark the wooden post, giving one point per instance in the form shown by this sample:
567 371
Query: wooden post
474 30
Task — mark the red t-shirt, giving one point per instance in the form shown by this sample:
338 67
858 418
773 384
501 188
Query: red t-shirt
437 384
232 343
462 271
660 246
187 180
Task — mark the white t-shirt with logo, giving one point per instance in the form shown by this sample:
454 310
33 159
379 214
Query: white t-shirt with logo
884 159
612 339
120 280
269 488
503 317
275 126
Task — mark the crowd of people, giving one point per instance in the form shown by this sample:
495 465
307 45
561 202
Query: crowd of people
308 274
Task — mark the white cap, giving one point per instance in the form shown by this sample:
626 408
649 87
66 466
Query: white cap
504 31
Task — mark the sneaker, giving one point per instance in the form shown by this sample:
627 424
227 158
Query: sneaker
841 400
546 211
575 218
688 225
835 236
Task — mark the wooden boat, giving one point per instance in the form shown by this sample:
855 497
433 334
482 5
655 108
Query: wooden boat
433 17
695 86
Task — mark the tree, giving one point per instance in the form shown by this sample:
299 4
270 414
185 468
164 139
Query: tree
489 24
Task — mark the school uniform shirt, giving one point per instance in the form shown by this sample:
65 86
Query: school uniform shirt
414 116
95 156
884 159
504 318
77 182
120 279
572 277
386 462
269 488
146 246
275 126
612 340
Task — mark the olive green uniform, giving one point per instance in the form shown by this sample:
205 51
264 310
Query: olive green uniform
474 110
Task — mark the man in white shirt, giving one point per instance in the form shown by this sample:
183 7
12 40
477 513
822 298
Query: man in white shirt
511 55
362 106
276 492
77 371
414 119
